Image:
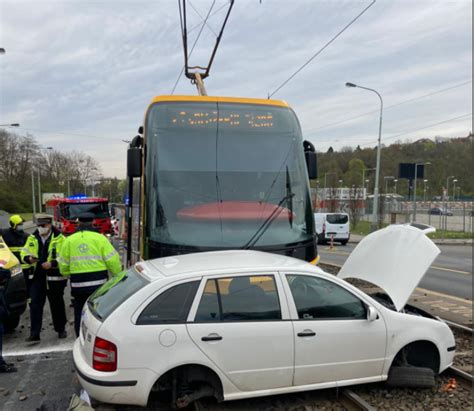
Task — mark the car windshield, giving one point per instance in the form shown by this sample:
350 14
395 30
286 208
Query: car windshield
74 210
114 292
218 171
337 218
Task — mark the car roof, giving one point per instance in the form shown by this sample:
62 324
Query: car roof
218 261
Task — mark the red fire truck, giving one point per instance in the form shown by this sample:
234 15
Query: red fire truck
67 210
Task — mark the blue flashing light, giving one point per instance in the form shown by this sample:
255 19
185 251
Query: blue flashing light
77 197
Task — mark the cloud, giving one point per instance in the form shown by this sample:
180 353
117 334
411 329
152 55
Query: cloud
92 67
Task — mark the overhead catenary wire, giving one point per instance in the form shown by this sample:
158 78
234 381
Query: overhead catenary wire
212 14
384 139
394 105
321 49
182 17
202 18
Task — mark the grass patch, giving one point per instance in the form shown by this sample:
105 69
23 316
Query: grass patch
451 235
363 228
25 216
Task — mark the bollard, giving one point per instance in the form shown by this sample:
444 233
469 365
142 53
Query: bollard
331 242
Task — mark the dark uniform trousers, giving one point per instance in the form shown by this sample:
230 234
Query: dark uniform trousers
81 293
40 288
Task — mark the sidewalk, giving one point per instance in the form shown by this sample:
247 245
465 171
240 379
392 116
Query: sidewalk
356 238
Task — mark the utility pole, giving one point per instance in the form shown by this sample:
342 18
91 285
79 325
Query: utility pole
33 200
414 190
375 211
39 192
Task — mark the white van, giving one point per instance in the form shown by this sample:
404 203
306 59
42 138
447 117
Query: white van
336 224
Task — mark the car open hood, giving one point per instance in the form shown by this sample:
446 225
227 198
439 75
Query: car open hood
395 259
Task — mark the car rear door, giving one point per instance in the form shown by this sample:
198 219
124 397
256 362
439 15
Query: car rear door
241 324
334 340
337 225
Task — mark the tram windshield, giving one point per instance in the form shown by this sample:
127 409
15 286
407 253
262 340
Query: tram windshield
225 175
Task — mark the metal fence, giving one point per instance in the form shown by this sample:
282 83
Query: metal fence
457 216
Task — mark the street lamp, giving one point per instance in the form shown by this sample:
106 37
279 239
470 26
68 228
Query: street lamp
454 188
363 174
10 125
424 189
447 189
395 181
414 188
39 184
377 171
386 178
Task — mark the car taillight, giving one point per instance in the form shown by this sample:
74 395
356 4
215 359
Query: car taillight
104 355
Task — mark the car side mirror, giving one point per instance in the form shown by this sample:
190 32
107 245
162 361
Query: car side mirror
372 314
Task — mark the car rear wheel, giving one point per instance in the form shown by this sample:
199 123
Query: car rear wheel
411 377
344 242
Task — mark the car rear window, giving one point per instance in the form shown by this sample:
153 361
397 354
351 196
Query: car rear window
114 292
337 218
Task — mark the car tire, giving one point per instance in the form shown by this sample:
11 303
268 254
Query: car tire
411 377
344 242
11 323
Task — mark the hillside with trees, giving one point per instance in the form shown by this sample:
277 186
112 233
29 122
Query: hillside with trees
448 157
60 172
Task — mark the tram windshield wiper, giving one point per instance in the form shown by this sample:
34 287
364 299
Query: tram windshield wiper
275 213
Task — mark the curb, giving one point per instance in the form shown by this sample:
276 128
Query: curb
437 241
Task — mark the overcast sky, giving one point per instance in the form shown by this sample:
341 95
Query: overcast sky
79 74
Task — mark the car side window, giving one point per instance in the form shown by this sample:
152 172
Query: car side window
319 299
248 298
170 307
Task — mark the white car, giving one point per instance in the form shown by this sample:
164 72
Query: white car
241 324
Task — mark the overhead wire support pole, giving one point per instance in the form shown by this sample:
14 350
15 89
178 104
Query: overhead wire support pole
322 49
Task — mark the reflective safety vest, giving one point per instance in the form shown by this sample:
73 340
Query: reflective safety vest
31 249
86 256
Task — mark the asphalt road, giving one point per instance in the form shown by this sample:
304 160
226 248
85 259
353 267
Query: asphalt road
45 376
451 272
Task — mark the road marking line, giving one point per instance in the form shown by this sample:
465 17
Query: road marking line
43 350
452 297
451 270
338 253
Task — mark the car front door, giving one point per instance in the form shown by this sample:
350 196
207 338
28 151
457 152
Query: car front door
334 340
239 325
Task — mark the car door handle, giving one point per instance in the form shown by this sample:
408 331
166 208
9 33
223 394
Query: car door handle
212 337
306 333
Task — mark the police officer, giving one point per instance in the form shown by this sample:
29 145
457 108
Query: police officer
86 256
42 250
15 238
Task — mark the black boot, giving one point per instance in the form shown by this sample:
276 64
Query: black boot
33 338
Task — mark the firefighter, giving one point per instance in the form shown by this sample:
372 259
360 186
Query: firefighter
86 256
42 250
15 238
